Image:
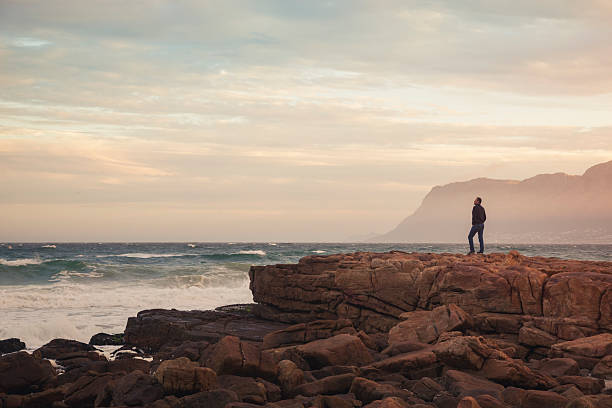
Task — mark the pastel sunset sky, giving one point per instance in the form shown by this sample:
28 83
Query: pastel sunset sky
183 120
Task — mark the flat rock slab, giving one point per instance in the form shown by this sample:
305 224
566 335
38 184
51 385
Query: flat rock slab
151 329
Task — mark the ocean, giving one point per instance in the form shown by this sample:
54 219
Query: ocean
75 290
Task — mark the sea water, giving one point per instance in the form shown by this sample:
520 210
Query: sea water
75 290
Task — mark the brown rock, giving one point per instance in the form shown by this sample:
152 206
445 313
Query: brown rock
251 390
540 399
588 385
417 364
571 392
557 367
150 330
338 350
367 390
534 337
307 332
487 401
425 326
11 346
233 356
603 369
586 351
466 352
289 376
84 391
61 349
181 376
390 402
511 372
209 399
513 396
336 384
136 388
21 373
468 402
462 384
426 388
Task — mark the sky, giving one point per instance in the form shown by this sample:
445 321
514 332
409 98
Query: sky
190 120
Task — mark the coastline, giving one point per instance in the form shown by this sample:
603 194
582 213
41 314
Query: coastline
388 329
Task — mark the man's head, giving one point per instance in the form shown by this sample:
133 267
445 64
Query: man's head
477 200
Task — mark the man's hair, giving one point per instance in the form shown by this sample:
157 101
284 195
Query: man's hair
479 200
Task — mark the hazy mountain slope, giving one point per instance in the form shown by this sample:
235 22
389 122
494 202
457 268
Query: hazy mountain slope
545 208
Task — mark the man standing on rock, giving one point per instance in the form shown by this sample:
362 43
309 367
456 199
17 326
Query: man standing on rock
478 219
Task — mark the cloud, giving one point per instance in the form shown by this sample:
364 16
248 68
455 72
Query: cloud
329 114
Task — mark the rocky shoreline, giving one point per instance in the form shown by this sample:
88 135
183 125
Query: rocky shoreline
377 330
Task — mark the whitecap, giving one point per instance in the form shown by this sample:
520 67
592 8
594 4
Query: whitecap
319 251
253 252
49 246
21 262
191 245
143 255
272 243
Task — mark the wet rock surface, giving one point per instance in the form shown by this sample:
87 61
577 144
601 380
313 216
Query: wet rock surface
390 330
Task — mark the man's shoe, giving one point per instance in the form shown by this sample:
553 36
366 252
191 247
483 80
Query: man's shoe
471 253
482 253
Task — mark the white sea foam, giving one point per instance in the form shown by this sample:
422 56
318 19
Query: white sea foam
319 251
253 252
21 262
65 309
49 246
143 255
191 245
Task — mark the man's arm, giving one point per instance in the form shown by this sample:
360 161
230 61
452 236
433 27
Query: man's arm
473 215
484 215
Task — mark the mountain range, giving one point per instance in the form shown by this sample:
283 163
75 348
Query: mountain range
547 208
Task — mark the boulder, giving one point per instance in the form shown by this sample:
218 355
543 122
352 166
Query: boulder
181 376
557 367
11 345
532 336
588 385
150 330
59 349
466 385
586 351
425 326
540 399
233 356
603 369
426 388
414 365
515 373
335 384
389 402
466 352
105 339
209 399
84 391
250 390
367 390
337 350
289 376
307 332
468 402
134 389
487 401
22 373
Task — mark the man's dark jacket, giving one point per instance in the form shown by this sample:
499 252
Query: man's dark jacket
478 215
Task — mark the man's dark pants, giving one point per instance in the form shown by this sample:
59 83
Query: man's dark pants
478 228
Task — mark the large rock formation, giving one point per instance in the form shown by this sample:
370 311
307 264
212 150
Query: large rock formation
540 299
556 208
390 330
